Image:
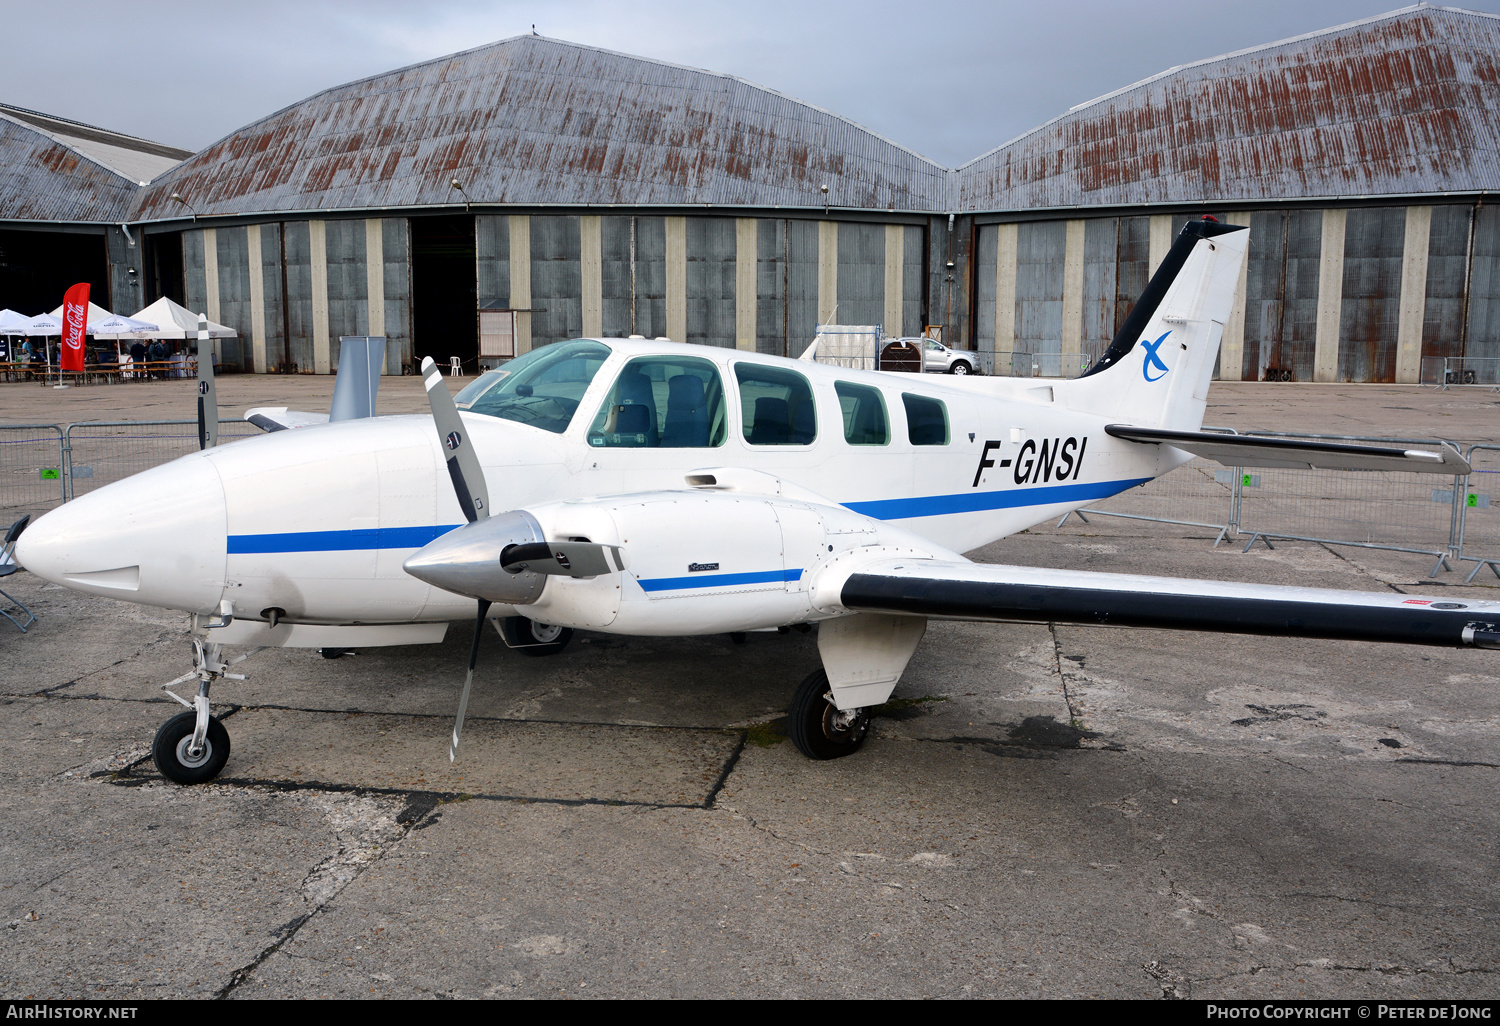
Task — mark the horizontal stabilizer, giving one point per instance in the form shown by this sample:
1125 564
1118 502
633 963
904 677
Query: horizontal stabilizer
978 591
279 418
1298 453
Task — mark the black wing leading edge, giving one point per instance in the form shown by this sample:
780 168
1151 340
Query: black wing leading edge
974 591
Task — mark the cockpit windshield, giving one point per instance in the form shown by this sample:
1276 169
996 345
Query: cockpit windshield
542 388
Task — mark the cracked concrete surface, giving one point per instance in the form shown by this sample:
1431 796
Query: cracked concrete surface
1085 811
1047 811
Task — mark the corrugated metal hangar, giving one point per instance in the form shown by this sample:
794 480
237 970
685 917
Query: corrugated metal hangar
534 190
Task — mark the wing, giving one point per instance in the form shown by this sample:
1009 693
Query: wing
1297 453
981 591
279 418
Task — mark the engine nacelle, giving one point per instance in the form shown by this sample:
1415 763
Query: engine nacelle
700 562
705 561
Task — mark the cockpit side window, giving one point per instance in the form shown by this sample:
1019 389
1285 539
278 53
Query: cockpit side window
663 402
776 406
541 389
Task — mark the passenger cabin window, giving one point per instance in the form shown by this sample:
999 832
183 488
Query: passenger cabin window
541 389
776 406
663 402
926 420
864 414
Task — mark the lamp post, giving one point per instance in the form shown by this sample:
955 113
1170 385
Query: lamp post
948 312
185 203
456 184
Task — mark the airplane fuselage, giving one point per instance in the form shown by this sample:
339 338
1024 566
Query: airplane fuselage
315 523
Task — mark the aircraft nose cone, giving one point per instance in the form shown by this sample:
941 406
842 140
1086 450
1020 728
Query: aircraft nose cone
467 561
157 538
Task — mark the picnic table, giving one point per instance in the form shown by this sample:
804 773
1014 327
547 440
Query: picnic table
109 373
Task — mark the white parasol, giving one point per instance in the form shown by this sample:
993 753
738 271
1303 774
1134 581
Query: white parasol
116 325
43 324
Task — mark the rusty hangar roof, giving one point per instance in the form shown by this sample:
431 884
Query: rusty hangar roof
56 170
1403 104
532 120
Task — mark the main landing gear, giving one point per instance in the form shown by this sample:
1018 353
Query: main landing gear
193 746
818 728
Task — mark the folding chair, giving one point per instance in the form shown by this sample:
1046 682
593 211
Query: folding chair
8 566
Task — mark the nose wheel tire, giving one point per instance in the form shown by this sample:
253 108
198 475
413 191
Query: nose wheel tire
173 754
818 728
535 639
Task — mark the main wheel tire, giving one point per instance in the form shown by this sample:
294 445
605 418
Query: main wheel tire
536 639
170 749
959 367
818 729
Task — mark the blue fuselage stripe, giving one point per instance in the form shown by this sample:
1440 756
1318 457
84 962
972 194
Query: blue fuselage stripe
878 509
980 502
719 580
337 541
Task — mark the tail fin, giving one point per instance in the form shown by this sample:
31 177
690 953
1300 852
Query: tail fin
358 381
1156 371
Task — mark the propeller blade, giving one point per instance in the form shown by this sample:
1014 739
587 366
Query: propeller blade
565 559
208 401
463 699
463 463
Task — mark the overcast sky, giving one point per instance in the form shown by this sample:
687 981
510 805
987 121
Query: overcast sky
947 78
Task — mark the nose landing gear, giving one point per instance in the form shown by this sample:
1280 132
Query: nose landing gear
185 759
193 746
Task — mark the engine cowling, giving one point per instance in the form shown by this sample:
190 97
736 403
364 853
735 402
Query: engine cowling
695 562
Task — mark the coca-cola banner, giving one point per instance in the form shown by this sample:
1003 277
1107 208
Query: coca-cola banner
74 321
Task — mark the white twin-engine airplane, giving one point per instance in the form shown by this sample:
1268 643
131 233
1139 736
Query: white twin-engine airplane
651 488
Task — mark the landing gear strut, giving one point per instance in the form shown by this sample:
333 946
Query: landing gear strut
818 728
193 746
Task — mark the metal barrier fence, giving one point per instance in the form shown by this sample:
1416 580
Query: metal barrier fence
1376 509
45 465
1199 493
1447 371
99 452
1401 512
1479 511
31 470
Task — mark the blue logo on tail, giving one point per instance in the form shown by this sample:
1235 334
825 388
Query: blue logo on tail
1153 360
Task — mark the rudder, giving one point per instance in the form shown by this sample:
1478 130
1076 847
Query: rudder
1156 371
